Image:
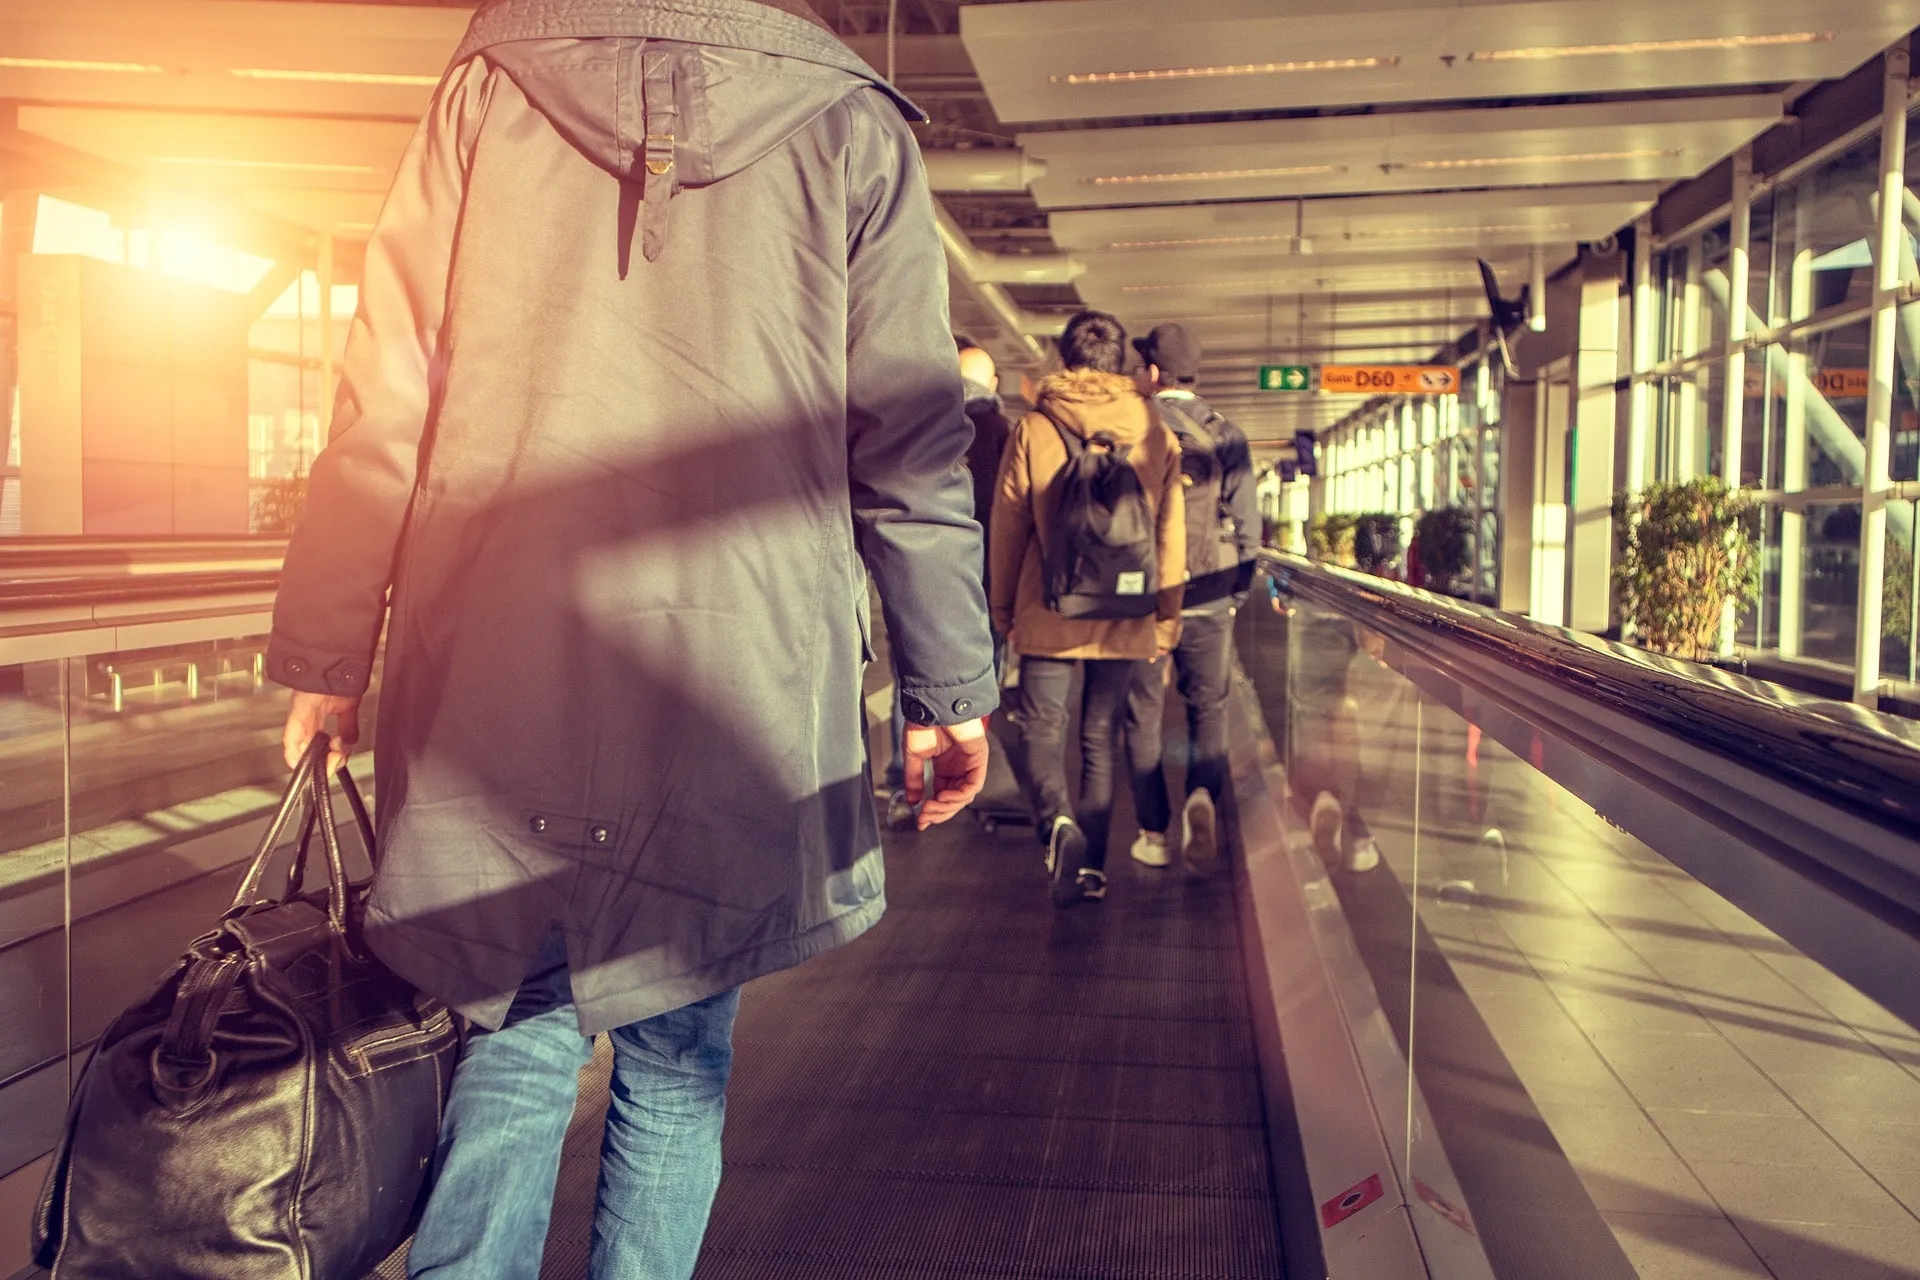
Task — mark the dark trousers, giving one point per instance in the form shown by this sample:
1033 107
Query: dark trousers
1201 664
1045 686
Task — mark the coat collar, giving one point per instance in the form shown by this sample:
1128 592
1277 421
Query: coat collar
774 27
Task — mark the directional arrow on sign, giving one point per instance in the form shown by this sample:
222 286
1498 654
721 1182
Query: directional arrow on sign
1296 379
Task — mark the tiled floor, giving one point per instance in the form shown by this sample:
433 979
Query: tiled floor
1734 1109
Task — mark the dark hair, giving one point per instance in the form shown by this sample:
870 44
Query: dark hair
964 342
1094 340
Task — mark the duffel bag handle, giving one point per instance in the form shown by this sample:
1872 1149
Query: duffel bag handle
309 783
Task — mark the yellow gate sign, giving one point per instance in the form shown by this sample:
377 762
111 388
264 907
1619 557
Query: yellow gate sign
1843 384
1391 379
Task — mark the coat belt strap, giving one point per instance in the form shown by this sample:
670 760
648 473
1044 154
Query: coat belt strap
657 155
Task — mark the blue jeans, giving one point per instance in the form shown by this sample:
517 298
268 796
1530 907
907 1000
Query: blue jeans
506 1120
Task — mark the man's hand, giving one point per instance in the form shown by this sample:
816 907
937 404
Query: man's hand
959 756
309 715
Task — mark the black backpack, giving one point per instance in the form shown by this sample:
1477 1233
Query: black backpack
1099 557
1211 546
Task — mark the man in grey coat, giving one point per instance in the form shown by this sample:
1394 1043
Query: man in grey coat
651 366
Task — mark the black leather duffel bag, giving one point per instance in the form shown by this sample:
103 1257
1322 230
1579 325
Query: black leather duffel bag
270 1110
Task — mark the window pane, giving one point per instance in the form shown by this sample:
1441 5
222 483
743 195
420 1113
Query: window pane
1830 582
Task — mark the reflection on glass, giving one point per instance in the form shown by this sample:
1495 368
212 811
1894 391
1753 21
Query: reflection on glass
168 760
1830 582
1621 1072
33 860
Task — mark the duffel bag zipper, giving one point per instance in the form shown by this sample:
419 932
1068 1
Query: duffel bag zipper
389 1048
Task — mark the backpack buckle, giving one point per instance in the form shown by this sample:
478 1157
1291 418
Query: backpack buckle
659 153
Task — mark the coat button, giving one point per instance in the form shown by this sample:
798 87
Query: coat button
296 666
600 835
537 825
962 705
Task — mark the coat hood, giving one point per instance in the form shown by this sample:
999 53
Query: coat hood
670 94
1089 403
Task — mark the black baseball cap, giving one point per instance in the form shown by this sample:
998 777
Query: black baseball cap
1172 348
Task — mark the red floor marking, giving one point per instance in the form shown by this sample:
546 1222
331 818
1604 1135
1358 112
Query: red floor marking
1350 1201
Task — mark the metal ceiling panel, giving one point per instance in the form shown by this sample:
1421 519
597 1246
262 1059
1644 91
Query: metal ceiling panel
1581 144
1098 59
265 55
1369 224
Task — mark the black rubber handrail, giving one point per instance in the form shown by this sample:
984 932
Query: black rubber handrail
121 588
23 554
1858 760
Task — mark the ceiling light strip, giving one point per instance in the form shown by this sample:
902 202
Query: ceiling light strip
1234 69
79 64
1495 162
334 77
1697 44
1380 234
1213 175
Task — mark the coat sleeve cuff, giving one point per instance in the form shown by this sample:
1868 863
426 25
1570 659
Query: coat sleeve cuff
950 703
311 670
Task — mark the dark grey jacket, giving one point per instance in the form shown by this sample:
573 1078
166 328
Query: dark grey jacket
652 353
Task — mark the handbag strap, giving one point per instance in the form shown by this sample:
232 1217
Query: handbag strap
308 783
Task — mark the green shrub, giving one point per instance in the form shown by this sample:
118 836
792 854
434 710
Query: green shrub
1330 538
276 507
1376 541
1445 535
1684 551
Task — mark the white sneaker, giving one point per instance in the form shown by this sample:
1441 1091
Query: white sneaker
1150 849
900 814
1325 822
1200 852
1365 855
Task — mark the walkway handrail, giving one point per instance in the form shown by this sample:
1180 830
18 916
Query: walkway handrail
1842 754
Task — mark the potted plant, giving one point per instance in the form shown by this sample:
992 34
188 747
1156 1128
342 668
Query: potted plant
1330 538
1445 538
1376 541
1684 551
277 504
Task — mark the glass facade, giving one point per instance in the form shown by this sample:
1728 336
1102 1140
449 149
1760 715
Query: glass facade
1800 428
1416 454
289 326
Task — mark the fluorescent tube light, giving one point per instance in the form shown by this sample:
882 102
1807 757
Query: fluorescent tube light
79 64
1235 69
1384 233
1494 162
333 77
1693 45
1212 175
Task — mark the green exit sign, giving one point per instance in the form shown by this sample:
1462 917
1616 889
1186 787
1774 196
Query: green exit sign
1286 377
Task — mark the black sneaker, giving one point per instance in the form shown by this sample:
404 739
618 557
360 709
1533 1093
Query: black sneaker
1066 850
1093 884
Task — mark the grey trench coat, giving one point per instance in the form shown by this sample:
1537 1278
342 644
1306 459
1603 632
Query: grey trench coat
651 356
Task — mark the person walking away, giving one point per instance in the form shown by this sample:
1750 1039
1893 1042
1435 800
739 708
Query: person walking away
597 469
1085 417
981 381
1222 540
1324 774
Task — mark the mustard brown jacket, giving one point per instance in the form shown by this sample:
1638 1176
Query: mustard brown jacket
1086 403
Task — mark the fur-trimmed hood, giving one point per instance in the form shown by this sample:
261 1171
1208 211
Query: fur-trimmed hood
1090 403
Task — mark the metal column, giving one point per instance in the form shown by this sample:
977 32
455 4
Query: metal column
1886 282
325 274
1739 277
1640 395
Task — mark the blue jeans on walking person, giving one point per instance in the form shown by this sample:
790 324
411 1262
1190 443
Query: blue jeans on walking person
506 1121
